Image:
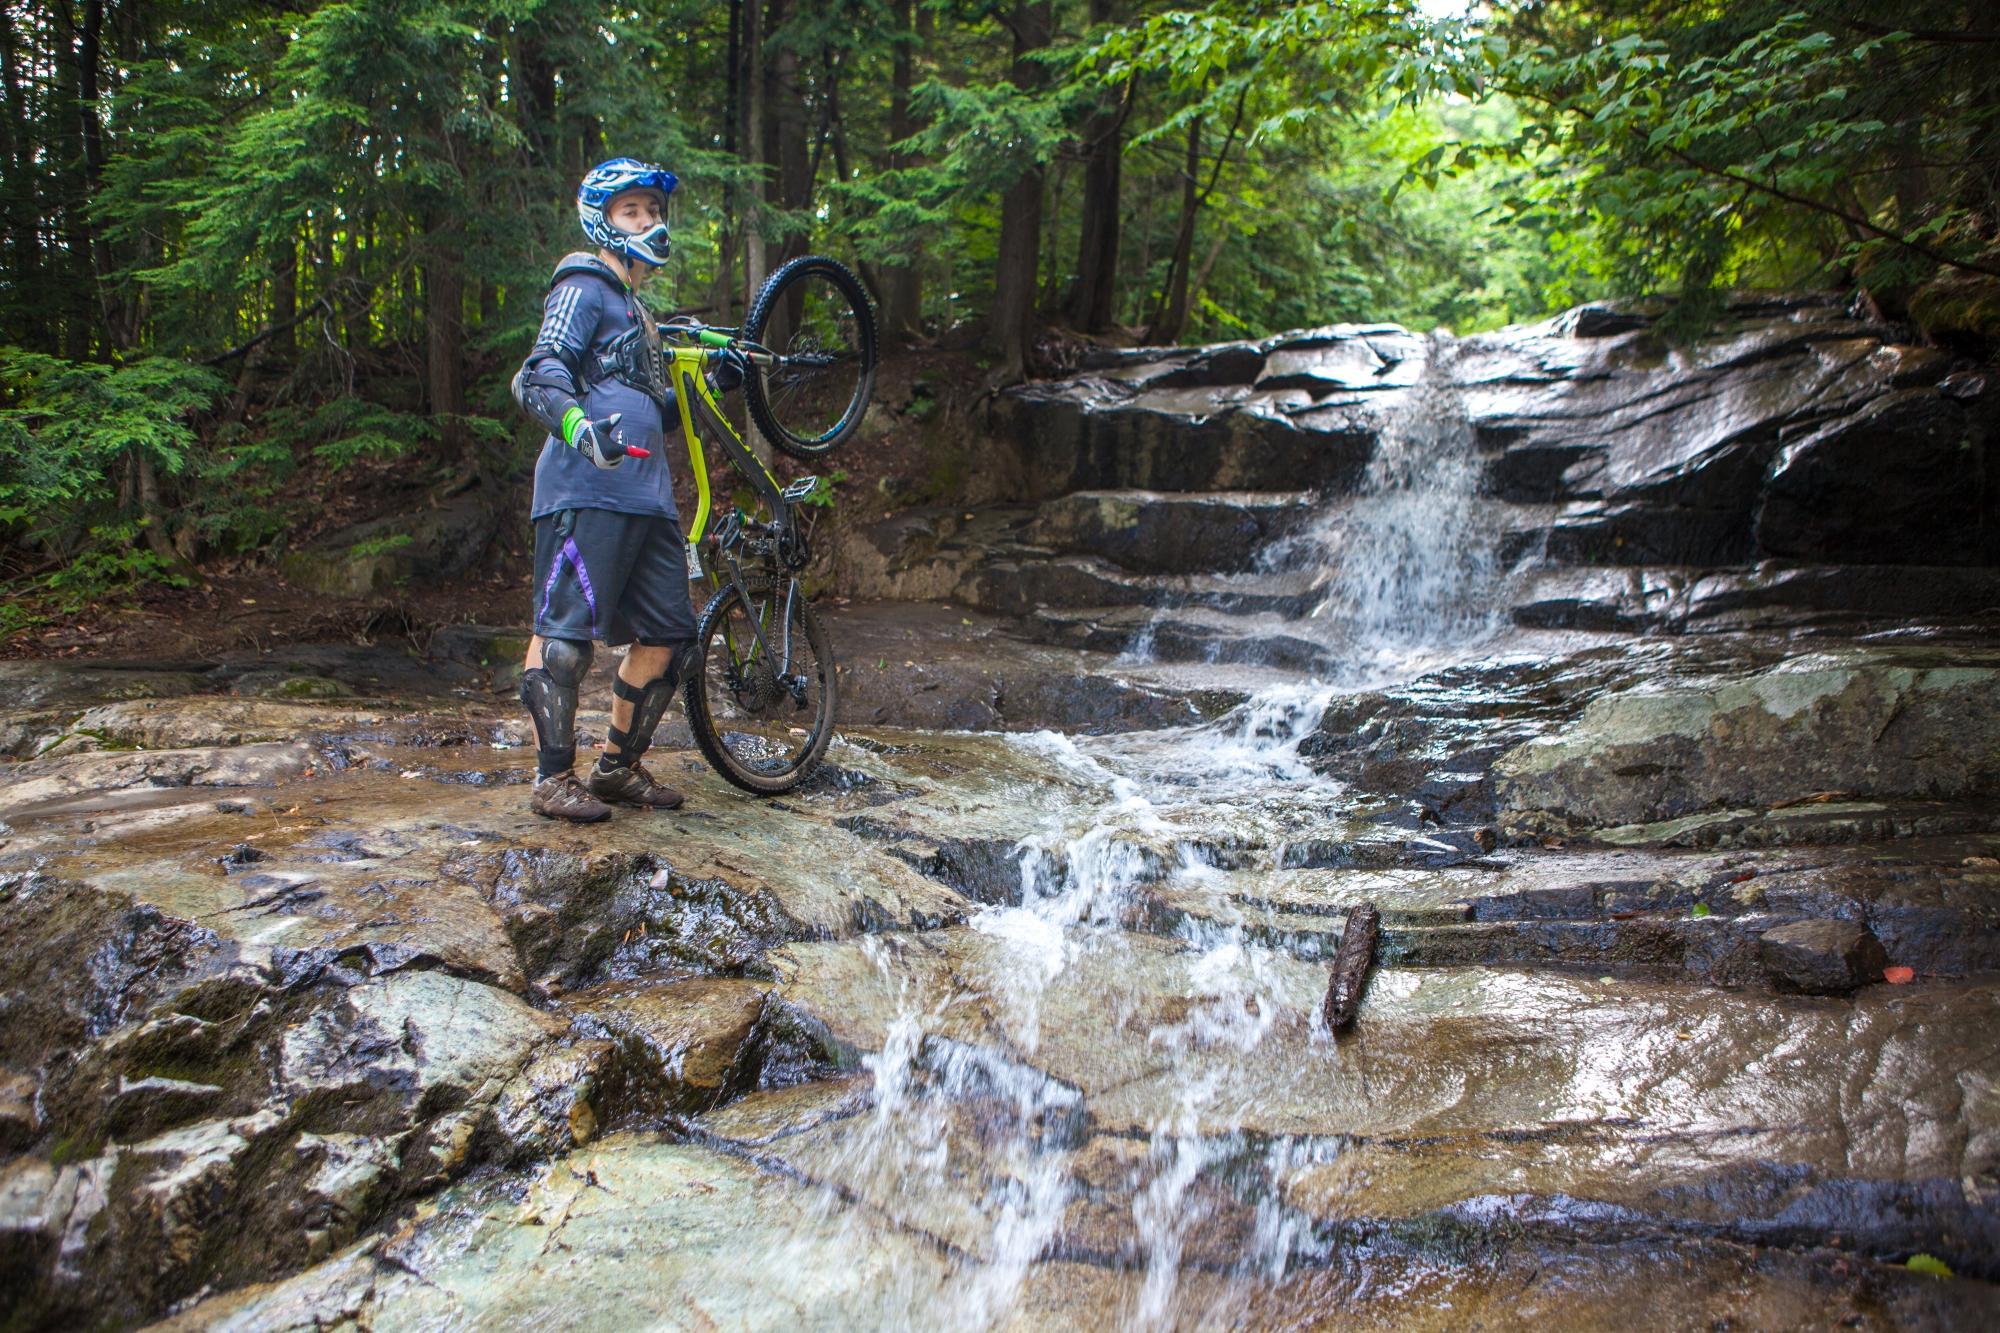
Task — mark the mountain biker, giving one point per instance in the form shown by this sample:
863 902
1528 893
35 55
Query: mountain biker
610 562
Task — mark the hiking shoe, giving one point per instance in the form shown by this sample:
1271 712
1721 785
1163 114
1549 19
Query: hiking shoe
563 797
631 784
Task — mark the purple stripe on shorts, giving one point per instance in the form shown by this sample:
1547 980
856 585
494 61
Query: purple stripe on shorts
549 588
575 558
583 578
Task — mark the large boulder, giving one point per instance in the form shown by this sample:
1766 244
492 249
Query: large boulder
1866 727
385 553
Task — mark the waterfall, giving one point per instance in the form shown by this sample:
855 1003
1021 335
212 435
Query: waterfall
1390 580
1412 559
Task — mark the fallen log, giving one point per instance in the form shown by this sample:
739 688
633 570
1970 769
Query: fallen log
1351 962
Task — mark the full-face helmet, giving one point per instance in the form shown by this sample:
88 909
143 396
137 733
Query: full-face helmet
608 179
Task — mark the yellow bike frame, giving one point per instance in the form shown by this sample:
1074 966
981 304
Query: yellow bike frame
696 399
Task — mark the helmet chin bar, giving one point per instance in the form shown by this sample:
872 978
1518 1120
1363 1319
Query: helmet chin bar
650 247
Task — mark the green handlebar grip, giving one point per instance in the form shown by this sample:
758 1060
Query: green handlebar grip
710 338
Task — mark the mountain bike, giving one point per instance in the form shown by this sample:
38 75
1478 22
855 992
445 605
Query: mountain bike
761 689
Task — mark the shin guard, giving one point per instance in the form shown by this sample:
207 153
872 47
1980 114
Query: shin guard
549 692
649 705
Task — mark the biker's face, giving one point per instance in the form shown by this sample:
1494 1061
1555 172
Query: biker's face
633 211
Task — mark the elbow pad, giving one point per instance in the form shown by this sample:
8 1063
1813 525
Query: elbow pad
545 392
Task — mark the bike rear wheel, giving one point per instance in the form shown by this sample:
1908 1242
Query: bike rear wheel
763 724
815 316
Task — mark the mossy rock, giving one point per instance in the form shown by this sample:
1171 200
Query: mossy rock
507 648
1959 305
388 552
306 687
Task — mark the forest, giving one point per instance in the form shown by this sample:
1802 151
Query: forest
251 246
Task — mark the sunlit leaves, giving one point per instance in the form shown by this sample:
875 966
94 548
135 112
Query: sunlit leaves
1756 146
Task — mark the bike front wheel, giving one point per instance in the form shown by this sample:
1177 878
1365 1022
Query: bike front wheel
813 314
761 716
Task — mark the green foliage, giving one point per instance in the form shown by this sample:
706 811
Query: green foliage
110 561
347 430
1761 146
821 496
62 424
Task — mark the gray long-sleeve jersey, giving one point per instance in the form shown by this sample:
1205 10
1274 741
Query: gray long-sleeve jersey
582 315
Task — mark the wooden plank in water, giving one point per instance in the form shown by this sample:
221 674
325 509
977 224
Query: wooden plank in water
1351 962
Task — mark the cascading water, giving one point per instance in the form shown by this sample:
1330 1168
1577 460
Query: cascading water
970 1139
1135 873
1405 572
1413 564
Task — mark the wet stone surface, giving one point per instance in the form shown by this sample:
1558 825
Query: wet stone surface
302 1005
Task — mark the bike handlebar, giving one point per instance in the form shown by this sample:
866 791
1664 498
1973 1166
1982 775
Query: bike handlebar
718 340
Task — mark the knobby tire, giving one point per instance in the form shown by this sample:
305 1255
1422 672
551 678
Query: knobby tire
702 721
755 387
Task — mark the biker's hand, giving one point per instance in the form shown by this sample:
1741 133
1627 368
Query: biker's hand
726 370
598 440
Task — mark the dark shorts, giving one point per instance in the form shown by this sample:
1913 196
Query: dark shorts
621 578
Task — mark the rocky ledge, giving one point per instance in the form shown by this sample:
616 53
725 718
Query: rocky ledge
1798 468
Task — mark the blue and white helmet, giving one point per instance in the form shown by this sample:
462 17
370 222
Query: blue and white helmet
615 177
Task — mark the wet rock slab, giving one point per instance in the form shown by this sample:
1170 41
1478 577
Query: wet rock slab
634 1230
1861 724
923 1040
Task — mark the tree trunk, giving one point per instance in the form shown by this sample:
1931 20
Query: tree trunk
285 302
118 330
843 167
1172 317
1010 327
756 253
788 133
444 299
754 257
903 283
1097 242
20 211
1171 312
76 298
535 93
158 540
1207 267
722 285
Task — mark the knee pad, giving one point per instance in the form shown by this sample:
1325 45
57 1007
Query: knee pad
567 660
649 705
549 693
